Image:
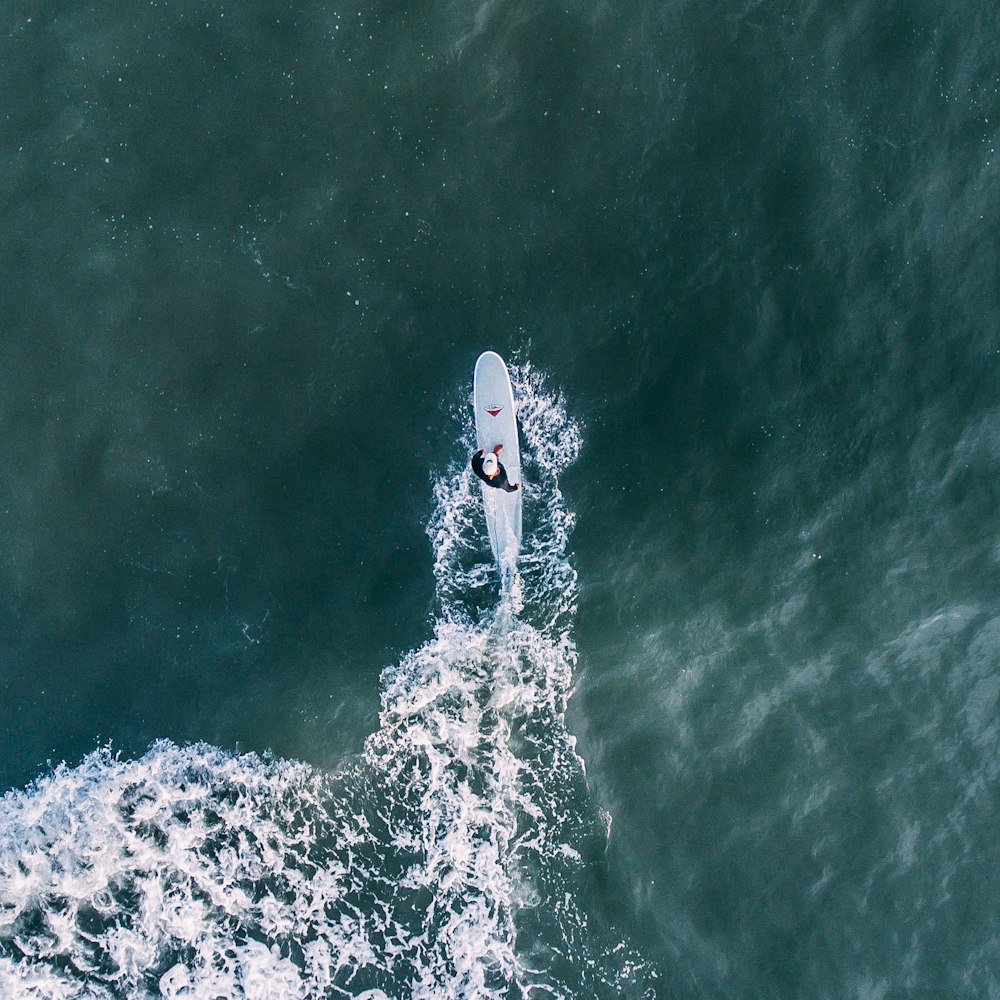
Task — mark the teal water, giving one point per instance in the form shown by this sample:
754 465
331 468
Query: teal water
734 734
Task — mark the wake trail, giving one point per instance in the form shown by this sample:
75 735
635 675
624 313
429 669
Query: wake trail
446 860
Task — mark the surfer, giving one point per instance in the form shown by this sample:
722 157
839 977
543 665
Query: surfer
487 466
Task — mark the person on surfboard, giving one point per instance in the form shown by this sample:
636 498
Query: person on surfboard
487 466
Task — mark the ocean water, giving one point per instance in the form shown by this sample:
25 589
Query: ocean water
270 728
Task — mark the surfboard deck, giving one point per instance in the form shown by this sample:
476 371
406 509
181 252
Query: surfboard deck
496 423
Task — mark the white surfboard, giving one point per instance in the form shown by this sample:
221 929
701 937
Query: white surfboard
496 423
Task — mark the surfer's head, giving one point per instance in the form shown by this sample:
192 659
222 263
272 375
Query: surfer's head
491 465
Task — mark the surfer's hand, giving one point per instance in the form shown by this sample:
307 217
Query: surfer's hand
498 449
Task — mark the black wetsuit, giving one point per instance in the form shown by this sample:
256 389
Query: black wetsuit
499 481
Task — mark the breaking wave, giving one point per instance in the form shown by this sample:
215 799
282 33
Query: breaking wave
445 861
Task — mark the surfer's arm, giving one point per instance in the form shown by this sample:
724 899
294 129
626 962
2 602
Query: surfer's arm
502 482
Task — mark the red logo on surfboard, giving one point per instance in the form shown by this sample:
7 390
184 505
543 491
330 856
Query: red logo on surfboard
493 410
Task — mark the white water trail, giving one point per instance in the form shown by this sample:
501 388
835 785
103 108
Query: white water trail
440 863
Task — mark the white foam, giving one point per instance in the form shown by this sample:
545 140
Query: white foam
192 873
